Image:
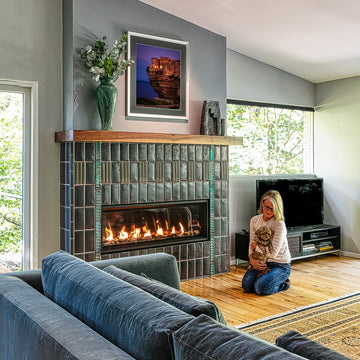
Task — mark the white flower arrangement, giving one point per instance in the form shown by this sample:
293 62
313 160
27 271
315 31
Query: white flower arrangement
103 60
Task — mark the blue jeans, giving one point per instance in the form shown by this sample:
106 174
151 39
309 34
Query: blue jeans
270 283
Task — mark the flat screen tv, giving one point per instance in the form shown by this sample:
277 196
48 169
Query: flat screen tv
303 199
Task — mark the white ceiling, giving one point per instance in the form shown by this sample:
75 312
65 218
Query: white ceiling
317 40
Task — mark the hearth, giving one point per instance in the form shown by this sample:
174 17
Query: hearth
151 225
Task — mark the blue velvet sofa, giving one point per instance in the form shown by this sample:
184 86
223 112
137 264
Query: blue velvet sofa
127 308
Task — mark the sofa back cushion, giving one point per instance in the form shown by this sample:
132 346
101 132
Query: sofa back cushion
129 317
190 304
33 327
205 339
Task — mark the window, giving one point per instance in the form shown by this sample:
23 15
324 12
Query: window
18 172
277 139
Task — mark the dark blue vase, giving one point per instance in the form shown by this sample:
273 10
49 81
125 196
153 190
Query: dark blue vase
106 97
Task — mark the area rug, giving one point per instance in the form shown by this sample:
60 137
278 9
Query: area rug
335 324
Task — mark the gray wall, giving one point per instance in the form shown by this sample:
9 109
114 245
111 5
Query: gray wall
252 80
207 61
30 43
336 134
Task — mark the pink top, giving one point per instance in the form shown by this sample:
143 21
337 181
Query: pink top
281 253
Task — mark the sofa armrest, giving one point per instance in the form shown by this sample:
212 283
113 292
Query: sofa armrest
31 277
158 266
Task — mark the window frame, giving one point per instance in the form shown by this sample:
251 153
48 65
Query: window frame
30 167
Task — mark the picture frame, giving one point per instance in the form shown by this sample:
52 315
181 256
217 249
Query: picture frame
157 84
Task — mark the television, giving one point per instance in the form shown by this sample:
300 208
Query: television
303 199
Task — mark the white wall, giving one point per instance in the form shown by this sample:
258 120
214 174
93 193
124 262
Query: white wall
337 129
30 43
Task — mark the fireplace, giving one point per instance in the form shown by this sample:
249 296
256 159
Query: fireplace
152 225
98 179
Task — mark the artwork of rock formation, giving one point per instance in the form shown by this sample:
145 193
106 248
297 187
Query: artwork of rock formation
164 77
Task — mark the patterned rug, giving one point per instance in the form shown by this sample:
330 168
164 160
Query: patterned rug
335 324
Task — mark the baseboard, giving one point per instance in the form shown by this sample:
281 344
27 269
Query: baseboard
350 254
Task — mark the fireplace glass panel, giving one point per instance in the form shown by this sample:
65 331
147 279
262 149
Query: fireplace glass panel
134 226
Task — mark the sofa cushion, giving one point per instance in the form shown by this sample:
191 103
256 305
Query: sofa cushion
190 304
35 328
299 344
129 317
203 339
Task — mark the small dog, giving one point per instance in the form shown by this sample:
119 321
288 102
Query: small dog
263 247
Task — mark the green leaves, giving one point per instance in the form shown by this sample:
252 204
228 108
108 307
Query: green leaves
11 114
104 60
274 140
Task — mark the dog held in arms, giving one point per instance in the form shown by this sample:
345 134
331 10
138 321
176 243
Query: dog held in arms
262 247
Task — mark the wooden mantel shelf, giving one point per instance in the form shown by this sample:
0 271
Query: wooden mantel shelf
119 136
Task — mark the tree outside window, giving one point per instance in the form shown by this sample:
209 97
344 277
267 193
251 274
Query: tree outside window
276 140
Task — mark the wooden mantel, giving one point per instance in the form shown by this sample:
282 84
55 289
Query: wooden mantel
136 137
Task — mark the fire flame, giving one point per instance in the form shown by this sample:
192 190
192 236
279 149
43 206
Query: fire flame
138 233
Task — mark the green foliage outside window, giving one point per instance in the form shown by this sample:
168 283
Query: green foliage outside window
274 140
11 120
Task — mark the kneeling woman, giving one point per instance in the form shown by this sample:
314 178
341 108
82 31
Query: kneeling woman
278 261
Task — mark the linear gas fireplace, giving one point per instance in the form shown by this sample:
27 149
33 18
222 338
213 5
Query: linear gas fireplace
121 199
150 225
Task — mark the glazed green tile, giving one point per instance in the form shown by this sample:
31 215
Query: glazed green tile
124 193
217 170
134 193
206 153
167 171
115 172
198 190
183 171
176 191
183 152
159 190
224 153
134 172
159 171
115 193
124 172
151 171
198 171
175 171
159 152
115 152
143 193
191 171
168 191
89 151
79 151
191 190
168 152
151 152
133 152
206 170
191 152
217 152
143 173
105 151
183 191
79 173
142 152
176 152
199 153
224 171
124 151
151 192
105 172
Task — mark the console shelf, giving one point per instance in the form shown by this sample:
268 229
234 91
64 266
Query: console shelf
304 242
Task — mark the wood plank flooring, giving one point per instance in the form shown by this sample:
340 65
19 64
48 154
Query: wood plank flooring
312 280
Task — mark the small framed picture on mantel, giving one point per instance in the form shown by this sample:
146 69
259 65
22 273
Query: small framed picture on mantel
157 85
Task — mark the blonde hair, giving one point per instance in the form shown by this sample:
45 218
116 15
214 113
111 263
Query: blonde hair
275 198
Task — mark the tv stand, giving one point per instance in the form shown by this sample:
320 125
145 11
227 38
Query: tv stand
304 241
308 241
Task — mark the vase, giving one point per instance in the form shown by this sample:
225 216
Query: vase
106 97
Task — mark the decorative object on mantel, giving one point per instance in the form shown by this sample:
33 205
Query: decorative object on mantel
104 63
211 121
158 87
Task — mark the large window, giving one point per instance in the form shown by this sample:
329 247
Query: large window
277 139
18 174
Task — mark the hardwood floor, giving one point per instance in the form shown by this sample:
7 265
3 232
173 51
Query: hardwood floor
312 280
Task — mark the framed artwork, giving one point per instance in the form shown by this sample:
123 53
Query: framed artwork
157 84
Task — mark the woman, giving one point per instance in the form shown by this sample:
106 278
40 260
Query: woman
270 215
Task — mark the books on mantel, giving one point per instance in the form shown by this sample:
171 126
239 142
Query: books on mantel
324 246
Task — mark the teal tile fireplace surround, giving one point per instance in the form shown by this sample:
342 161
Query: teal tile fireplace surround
96 174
